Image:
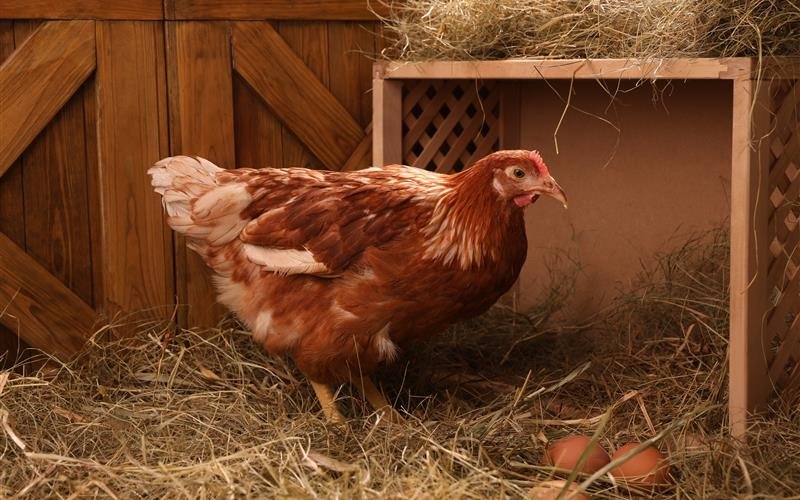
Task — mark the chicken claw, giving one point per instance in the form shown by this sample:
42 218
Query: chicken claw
378 401
328 403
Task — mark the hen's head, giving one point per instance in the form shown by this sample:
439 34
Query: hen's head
520 177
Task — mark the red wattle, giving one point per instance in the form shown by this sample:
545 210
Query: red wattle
523 200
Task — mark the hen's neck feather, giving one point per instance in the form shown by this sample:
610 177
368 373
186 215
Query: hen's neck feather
470 223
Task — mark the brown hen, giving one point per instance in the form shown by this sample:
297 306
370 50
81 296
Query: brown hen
342 269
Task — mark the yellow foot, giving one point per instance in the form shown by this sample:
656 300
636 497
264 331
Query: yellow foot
328 403
378 401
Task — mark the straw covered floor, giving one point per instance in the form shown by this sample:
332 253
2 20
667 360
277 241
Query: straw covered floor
205 414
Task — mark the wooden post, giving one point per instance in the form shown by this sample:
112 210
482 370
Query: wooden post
750 387
132 135
201 124
387 125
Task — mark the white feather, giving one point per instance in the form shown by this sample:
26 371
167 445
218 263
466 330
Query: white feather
161 177
284 261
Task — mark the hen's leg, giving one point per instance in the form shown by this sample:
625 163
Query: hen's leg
326 400
377 400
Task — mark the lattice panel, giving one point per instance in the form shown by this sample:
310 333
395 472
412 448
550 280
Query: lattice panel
783 323
448 125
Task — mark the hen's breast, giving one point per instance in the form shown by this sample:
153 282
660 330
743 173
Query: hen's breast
419 297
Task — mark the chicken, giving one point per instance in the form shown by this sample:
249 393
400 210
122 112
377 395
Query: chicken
342 269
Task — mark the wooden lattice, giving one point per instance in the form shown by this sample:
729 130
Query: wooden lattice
448 125
783 321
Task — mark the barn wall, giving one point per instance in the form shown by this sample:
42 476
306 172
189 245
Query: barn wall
48 197
169 77
633 192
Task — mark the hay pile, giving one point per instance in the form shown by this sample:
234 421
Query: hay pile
476 29
206 415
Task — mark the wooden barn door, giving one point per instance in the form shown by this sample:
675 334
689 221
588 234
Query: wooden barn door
83 110
93 96
44 184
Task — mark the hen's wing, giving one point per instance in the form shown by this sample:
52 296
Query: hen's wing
311 222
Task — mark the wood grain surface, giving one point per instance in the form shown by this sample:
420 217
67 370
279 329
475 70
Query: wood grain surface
281 78
271 9
81 9
132 135
38 79
45 313
201 123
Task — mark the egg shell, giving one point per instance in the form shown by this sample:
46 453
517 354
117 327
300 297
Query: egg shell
566 452
648 468
549 490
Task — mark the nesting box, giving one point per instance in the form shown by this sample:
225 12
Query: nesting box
713 140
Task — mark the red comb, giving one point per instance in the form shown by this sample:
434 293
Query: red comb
536 158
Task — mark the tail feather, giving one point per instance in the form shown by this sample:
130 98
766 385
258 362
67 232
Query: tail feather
180 179
196 205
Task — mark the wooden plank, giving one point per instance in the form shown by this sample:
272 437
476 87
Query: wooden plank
534 69
132 135
38 79
201 112
259 140
81 9
301 101
6 39
48 315
351 46
55 191
24 28
12 215
307 10
387 124
309 41
93 213
361 156
56 200
749 385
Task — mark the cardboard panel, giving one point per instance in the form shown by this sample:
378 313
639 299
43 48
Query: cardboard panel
631 193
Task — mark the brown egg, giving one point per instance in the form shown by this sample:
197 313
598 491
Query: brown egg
648 468
566 452
549 490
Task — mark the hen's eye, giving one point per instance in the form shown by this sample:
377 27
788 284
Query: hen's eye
519 173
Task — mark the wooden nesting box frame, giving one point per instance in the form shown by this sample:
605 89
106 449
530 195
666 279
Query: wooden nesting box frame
422 117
